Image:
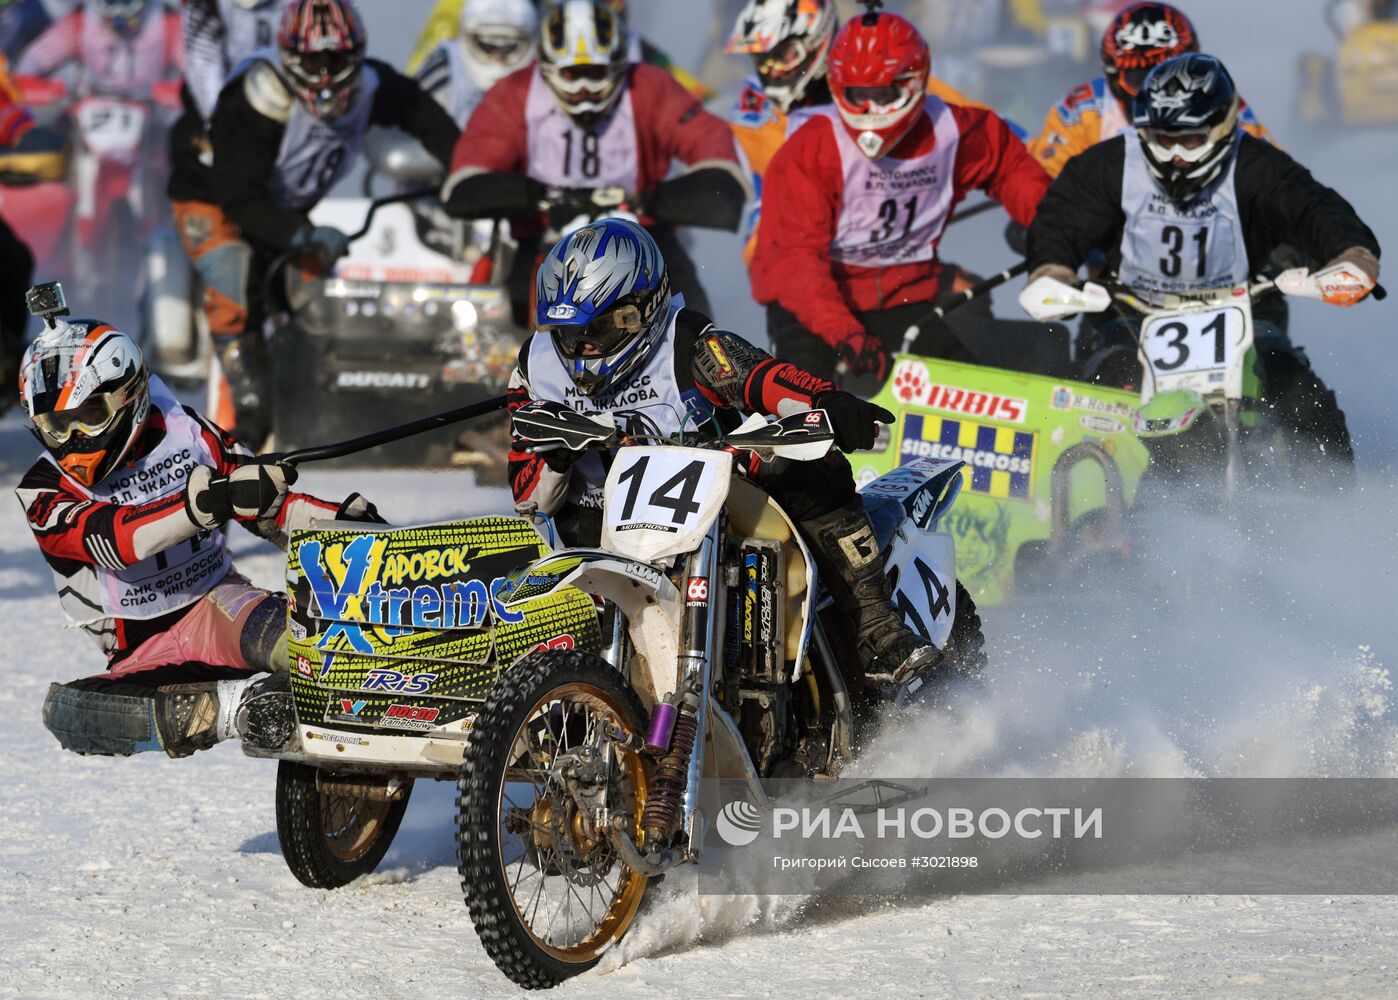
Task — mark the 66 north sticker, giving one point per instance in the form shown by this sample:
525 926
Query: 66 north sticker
696 591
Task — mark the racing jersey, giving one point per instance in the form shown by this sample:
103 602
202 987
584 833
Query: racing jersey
446 76
444 23
15 119
698 374
1097 201
520 128
20 24
1090 114
273 159
819 191
760 127
218 36
126 558
112 64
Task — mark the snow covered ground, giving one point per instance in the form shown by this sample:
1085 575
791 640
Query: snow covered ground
1257 650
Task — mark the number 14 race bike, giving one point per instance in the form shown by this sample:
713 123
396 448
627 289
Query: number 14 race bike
579 737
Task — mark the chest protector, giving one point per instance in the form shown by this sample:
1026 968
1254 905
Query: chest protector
654 393
246 31
315 153
168 580
892 211
126 66
564 154
1169 249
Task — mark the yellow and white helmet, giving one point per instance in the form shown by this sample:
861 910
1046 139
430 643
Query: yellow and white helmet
583 57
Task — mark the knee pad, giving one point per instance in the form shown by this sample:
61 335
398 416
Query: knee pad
225 271
97 722
263 640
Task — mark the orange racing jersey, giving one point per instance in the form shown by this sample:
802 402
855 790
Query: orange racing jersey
1089 114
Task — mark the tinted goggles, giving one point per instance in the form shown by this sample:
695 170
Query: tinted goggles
605 335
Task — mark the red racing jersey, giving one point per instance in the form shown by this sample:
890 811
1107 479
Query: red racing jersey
669 125
802 206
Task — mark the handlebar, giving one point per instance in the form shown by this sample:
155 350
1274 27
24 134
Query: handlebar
286 256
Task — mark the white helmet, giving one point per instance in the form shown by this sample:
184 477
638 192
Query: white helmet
788 40
85 389
583 57
497 37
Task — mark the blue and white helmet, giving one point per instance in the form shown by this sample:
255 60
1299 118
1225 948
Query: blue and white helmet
604 297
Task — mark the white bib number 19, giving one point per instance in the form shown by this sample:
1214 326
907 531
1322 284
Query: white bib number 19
1192 342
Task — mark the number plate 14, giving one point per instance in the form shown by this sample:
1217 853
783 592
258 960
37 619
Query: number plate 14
661 500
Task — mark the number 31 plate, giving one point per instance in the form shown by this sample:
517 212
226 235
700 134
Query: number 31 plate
1194 341
661 500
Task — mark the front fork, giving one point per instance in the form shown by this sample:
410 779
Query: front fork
679 727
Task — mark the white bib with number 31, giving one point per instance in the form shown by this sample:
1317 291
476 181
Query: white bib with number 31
661 500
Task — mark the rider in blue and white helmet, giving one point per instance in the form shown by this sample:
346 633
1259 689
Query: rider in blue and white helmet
604 297
613 339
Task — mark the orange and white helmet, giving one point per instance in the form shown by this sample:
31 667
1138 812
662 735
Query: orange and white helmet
85 389
788 40
583 57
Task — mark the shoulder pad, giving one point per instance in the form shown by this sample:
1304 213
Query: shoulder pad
267 92
753 109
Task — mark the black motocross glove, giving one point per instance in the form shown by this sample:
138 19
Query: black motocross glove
357 507
250 492
854 420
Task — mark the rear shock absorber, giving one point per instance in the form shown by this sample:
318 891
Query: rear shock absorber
665 803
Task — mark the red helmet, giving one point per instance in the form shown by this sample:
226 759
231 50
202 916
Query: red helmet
1140 38
878 66
322 49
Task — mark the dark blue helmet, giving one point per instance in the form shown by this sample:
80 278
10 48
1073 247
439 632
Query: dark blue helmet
604 297
1186 117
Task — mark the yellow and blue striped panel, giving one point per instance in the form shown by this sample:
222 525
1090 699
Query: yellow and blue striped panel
1000 459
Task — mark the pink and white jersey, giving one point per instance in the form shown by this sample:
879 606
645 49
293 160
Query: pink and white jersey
564 154
111 63
892 211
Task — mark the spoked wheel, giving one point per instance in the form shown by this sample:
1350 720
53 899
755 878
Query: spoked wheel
335 831
544 772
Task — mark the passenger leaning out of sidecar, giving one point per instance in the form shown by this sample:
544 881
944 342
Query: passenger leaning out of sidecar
129 502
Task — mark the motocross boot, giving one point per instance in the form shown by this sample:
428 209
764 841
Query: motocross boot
850 564
192 717
247 370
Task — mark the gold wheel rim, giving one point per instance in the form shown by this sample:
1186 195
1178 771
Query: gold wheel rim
351 824
619 901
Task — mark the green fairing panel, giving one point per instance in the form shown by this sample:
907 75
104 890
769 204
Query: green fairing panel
1011 429
386 617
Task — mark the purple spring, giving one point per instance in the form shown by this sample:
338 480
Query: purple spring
662 726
